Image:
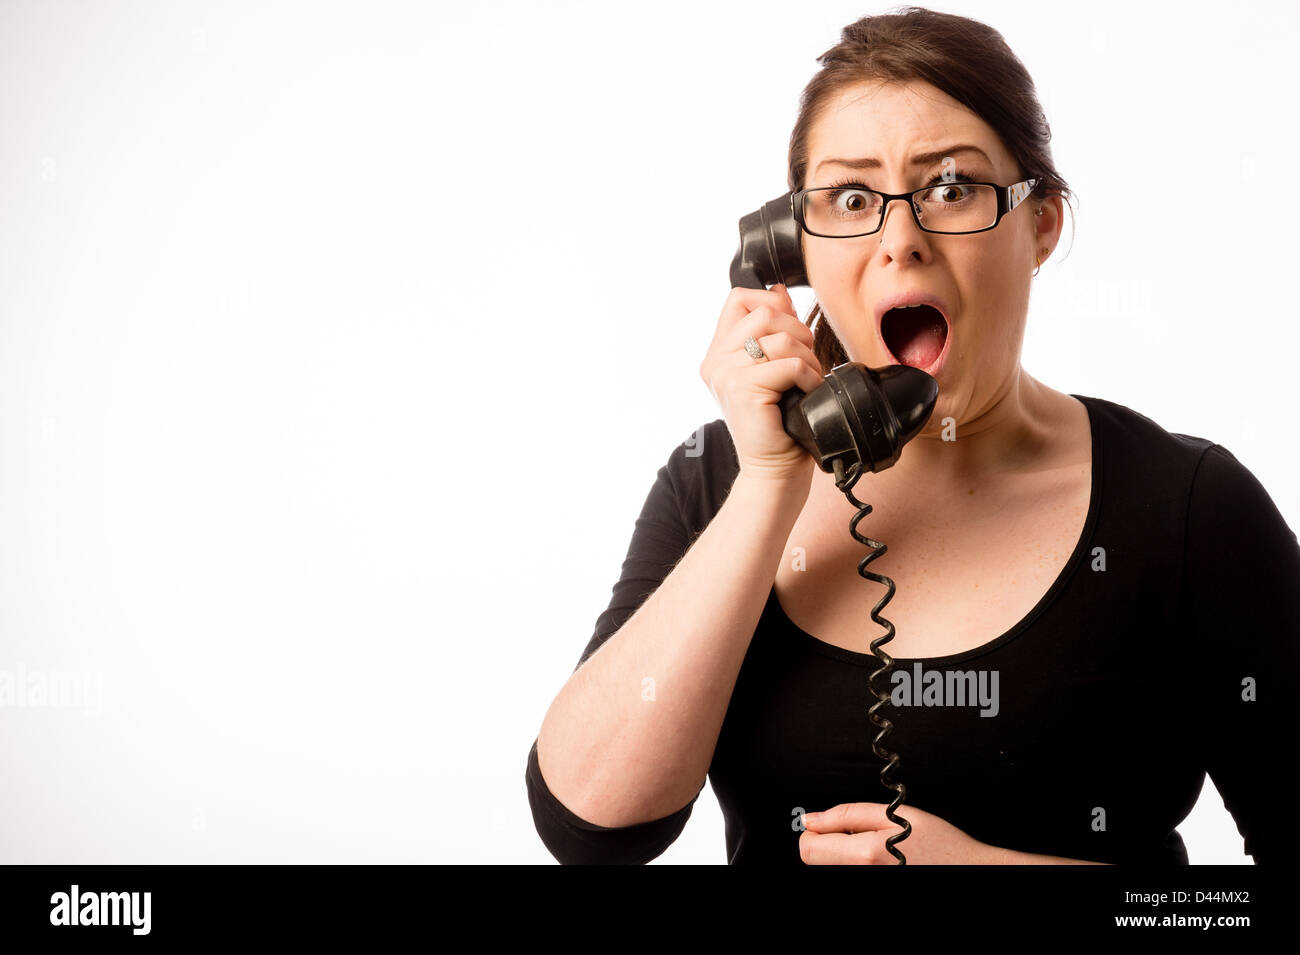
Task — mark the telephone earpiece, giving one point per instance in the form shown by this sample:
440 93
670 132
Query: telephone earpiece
858 413
857 420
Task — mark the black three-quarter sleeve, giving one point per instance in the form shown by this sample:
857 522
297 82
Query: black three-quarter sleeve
659 539
1241 590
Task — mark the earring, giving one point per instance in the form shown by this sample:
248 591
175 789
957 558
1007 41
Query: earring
1038 261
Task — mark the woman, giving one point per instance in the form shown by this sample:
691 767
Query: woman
1091 613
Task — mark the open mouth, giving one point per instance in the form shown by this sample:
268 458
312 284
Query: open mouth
914 335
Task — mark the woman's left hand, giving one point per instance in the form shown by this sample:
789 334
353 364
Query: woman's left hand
854 833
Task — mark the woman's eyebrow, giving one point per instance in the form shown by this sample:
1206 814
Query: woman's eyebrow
920 159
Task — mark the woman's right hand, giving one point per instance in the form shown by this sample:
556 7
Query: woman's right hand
748 390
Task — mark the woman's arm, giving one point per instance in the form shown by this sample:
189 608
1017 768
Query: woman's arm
858 833
1241 632
999 856
617 749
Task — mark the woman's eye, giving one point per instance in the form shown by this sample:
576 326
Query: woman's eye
853 201
948 192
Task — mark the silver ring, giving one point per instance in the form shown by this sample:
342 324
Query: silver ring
754 349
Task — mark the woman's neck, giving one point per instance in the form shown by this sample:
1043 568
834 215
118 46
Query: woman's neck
1021 429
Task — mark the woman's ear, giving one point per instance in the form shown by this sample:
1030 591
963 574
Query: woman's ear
1047 220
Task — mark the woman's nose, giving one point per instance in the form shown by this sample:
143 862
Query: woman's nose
905 234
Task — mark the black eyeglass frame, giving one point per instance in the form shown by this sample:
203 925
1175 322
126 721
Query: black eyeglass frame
1008 198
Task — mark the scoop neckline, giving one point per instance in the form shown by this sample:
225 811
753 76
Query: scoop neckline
1000 641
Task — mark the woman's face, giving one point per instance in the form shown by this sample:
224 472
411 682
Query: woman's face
981 278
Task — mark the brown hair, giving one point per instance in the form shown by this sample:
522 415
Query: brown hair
968 60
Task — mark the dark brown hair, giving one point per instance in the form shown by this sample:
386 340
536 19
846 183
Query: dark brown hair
968 60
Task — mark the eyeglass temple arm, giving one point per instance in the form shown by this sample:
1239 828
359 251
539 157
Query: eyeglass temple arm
1017 192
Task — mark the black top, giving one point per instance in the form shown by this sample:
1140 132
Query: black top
1168 647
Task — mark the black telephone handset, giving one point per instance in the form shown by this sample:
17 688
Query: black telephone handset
856 421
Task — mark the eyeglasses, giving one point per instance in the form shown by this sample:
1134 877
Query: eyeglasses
949 208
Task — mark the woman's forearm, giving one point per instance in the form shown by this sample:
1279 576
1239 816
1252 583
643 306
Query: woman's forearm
616 754
999 856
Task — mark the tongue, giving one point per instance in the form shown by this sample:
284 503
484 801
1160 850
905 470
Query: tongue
916 335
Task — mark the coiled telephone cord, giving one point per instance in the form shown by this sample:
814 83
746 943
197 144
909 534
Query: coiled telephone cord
845 482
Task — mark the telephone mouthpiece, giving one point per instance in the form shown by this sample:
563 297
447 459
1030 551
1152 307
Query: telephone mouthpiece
860 414
912 394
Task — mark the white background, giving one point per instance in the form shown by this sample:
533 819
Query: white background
340 343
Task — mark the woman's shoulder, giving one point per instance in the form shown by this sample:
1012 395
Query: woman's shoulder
702 469
1139 439
1154 462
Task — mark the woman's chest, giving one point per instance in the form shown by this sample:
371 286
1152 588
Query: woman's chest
964 575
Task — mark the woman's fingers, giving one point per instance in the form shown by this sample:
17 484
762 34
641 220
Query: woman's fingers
850 817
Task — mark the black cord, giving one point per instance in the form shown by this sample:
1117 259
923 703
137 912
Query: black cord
845 483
